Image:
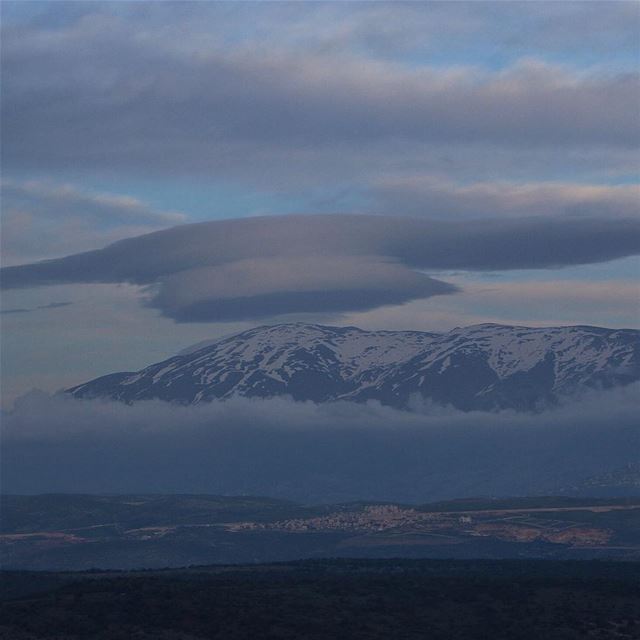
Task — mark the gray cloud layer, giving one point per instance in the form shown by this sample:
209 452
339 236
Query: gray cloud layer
311 452
256 267
102 91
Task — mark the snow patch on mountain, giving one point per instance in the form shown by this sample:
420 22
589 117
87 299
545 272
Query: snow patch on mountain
484 366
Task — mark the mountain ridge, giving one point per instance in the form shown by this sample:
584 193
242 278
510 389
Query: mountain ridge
485 366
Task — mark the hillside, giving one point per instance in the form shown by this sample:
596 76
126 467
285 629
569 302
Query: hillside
482 367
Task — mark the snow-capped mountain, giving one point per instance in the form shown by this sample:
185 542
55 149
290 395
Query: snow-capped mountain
485 366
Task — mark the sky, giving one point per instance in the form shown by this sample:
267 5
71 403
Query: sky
192 169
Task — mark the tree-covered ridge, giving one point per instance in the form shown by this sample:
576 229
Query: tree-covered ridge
342 599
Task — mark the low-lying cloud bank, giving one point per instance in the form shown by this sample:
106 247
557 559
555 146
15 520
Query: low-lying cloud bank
268 266
309 452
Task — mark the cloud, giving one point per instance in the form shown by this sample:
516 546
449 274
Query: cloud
48 199
51 305
54 305
380 29
44 219
259 288
304 451
10 311
238 269
104 91
439 197
326 96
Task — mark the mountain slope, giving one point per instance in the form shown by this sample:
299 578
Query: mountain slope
480 367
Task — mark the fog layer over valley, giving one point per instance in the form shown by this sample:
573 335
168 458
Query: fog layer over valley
313 452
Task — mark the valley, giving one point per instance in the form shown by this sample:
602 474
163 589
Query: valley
121 532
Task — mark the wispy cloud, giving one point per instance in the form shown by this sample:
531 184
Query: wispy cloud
440 197
18 310
51 305
44 219
54 305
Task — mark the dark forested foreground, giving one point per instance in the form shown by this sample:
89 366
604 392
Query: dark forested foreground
330 599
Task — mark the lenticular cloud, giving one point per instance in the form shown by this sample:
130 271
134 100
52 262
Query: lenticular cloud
269 266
